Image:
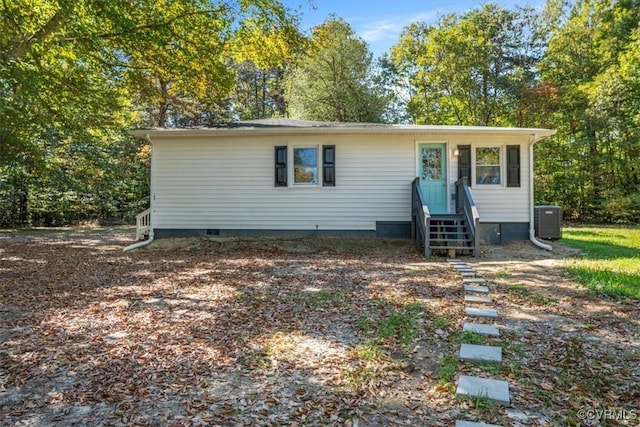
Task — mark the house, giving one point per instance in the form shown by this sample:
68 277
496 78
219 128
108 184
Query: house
456 185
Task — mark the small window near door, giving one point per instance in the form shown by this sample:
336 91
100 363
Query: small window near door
305 167
488 166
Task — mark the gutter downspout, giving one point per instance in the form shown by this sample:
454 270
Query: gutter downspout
532 232
138 245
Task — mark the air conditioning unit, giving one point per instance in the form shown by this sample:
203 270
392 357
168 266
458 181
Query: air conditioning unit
548 222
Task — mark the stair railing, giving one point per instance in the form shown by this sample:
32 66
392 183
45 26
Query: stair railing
466 206
420 218
143 224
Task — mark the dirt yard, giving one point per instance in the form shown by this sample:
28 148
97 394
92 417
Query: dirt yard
296 332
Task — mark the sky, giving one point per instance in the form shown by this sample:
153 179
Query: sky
380 22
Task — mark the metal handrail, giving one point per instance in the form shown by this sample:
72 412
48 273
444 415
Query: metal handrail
466 206
420 218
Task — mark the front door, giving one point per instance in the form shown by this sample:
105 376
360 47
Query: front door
432 171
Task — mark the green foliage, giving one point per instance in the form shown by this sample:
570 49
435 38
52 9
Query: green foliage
76 75
333 80
611 264
592 60
473 69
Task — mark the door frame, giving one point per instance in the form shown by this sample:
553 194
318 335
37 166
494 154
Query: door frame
416 159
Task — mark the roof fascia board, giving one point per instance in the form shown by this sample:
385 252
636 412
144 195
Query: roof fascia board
391 130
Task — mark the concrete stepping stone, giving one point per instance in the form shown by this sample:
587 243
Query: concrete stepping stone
496 390
468 273
474 424
480 289
482 329
489 313
480 353
454 260
478 299
474 280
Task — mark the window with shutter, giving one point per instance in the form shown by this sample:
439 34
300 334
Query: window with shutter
329 165
305 165
513 166
488 165
281 166
464 162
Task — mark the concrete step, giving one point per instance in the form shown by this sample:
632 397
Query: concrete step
455 261
479 289
477 299
489 313
474 424
496 390
474 280
467 273
482 329
480 353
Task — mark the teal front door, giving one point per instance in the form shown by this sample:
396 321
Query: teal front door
432 171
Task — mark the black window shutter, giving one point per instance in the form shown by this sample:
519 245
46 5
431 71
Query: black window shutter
328 165
464 162
281 166
513 166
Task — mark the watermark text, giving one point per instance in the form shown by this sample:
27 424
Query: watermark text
617 414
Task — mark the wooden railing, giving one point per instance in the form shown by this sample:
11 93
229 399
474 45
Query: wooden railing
466 206
143 224
420 218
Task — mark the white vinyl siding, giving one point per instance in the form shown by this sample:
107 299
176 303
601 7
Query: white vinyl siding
498 203
227 182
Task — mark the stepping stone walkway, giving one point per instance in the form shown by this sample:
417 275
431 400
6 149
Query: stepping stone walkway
489 313
480 353
468 273
474 280
471 386
495 390
472 288
477 299
481 328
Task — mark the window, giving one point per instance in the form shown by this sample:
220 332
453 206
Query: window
491 162
305 165
310 166
488 170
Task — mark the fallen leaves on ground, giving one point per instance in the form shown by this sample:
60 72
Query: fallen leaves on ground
274 332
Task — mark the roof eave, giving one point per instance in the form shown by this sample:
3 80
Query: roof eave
391 129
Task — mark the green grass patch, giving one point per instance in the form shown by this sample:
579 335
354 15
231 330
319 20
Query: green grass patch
468 337
448 368
442 322
522 292
398 327
610 262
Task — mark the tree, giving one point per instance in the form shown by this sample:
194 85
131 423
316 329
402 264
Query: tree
592 61
473 69
75 75
334 80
